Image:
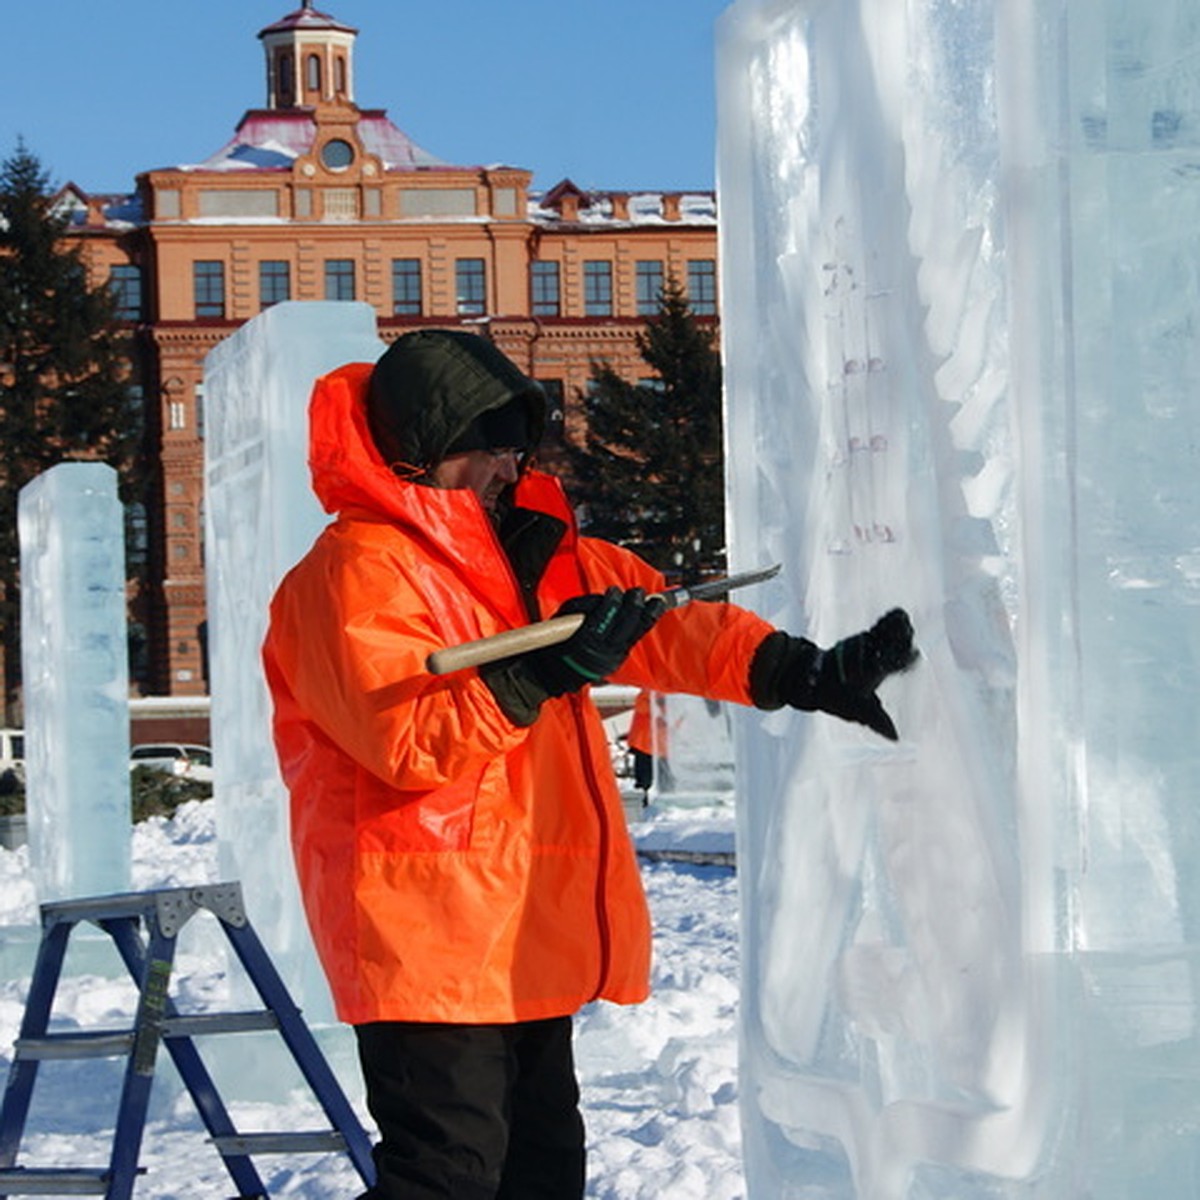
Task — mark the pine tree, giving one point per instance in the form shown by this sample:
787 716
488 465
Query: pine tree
63 370
651 474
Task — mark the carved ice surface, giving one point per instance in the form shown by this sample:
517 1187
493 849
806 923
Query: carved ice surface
75 670
960 260
261 517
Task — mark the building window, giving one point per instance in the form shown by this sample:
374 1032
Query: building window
339 279
406 287
208 286
139 652
176 415
287 90
125 283
274 282
137 535
649 287
339 204
137 403
470 281
702 286
337 154
313 68
597 289
544 289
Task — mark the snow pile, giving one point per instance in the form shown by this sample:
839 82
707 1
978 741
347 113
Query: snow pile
659 1081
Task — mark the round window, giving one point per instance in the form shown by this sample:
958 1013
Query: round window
337 154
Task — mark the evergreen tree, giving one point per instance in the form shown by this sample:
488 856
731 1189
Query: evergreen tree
651 474
63 369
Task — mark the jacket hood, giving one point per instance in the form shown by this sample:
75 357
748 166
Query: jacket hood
430 386
349 474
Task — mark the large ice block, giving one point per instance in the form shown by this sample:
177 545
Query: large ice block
961 311
74 663
261 517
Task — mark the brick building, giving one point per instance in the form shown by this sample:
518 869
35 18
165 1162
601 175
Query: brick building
315 198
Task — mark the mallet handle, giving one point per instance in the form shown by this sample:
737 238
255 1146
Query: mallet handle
500 645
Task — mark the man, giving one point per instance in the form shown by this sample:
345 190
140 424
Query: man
460 839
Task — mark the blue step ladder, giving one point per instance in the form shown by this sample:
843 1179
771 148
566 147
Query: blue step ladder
144 926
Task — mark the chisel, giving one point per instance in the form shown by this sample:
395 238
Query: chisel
558 629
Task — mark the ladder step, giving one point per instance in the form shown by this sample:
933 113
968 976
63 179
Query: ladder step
279 1143
198 1024
51 1181
144 927
103 1043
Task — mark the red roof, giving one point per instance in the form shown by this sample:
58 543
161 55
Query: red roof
306 18
267 138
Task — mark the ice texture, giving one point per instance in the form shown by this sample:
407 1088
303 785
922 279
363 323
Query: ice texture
74 662
261 517
960 257
692 743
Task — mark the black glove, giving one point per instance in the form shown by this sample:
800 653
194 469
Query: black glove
841 680
611 627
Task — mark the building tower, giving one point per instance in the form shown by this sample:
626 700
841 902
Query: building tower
309 60
315 198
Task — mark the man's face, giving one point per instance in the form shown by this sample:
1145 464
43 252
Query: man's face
486 472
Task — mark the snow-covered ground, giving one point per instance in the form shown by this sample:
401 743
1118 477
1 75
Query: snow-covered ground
659 1081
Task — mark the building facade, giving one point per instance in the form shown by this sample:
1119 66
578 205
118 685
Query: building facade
315 198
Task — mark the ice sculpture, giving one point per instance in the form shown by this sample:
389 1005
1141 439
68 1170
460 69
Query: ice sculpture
960 258
693 751
74 664
261 517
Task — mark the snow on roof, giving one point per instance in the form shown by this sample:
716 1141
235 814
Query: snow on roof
393 145
123 209
644 208
267 140
115 208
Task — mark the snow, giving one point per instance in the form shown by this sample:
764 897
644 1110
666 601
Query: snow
659 1080
961 374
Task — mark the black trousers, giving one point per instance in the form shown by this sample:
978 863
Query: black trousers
474 1112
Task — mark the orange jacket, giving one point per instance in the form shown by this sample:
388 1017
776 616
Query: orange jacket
456 867
646 735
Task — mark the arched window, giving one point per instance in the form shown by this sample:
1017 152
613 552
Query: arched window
312 79
339 75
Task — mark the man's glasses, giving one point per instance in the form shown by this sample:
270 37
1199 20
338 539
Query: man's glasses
517 454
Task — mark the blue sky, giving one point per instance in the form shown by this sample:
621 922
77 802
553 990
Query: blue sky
618 95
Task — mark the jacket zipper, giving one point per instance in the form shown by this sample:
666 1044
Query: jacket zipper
595 792
596 795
